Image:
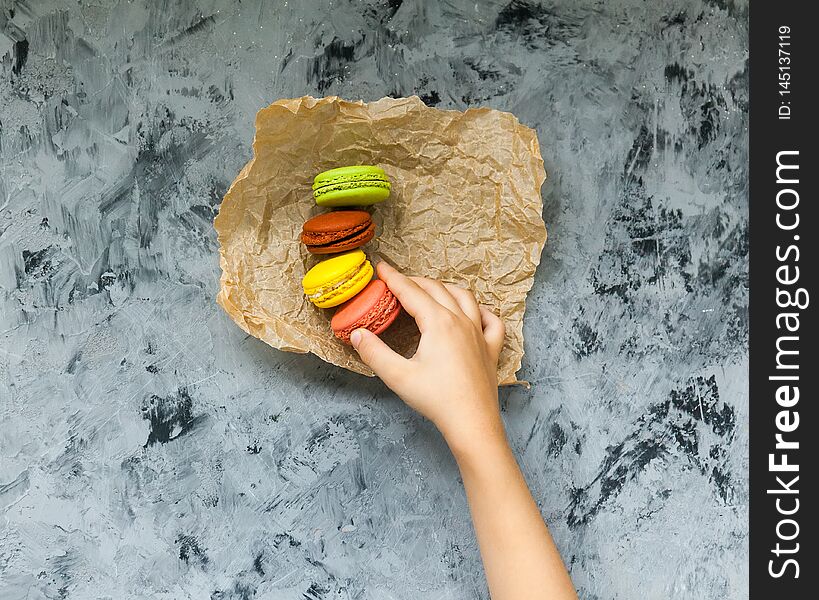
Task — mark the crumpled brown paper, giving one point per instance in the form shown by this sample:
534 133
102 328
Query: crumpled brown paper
465 208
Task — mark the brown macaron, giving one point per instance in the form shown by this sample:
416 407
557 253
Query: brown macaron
337 231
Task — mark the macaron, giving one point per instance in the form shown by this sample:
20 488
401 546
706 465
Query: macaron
374 308
337 231
336 280
362 185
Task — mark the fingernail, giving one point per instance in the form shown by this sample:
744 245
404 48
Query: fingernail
355 337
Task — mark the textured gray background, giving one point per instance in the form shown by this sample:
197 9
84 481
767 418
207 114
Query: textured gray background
149 449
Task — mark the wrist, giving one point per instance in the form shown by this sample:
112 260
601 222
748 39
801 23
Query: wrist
476 445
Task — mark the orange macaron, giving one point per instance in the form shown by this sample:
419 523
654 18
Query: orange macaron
374 308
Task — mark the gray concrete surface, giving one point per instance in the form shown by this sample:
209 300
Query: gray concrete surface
149 449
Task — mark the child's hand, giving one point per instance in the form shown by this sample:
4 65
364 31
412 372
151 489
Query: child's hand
452 379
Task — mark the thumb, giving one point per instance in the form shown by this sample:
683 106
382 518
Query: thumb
382 359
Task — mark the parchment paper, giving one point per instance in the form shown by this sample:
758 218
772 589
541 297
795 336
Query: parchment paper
465 208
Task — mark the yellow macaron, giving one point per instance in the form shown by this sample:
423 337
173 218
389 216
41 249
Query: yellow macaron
336 280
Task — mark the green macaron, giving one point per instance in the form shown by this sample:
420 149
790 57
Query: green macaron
362 185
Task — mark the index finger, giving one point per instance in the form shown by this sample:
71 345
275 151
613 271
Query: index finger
418 303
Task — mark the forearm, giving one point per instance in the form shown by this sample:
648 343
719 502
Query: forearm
519 556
